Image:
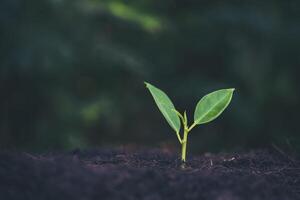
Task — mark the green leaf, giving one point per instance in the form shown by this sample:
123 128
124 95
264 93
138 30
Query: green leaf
212 105
166 106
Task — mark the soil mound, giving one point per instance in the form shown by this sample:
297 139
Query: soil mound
148 175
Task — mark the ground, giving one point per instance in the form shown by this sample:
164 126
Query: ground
148 175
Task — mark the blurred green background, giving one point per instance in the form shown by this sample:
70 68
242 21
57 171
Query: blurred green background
72 72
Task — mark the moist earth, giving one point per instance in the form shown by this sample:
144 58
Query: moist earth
148 175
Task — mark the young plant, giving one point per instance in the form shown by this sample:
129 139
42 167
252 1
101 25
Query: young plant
207 109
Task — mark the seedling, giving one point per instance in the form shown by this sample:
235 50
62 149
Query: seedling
207 109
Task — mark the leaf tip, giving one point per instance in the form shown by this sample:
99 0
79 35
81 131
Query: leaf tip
146 83
232 89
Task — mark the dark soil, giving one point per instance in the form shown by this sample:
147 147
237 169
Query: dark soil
148 175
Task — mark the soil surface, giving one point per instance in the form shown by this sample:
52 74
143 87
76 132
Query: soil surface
148 175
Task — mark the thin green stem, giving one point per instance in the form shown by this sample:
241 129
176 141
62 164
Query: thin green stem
179 115
192 126
185 118
182 119
178 136
183 147
185 137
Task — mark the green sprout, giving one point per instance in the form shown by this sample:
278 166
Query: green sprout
207 109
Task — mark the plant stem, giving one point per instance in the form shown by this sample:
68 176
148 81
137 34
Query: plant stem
192 126
184 143
178 136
